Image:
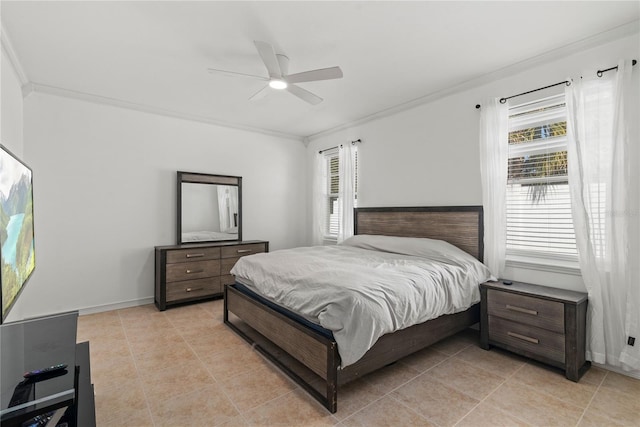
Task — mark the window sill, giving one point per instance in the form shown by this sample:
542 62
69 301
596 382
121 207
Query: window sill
544 264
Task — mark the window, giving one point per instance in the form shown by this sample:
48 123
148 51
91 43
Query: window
333 186
539 223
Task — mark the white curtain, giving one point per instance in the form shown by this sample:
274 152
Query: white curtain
494 127
319 202
233 209
346 195
223 206
605 188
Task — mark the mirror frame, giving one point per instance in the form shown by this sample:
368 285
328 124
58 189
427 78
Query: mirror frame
205 178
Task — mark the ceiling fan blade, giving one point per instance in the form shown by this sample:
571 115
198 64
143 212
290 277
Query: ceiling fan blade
313 75
235 74
260 94
304 94
269 58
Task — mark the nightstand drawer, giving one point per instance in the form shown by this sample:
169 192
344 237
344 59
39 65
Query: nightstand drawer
524 337
529 310
193 288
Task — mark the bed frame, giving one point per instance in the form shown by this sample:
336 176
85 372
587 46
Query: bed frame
310 358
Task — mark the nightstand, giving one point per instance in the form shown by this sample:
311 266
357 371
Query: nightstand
539 322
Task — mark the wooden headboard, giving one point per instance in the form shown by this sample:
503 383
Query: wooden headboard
462 226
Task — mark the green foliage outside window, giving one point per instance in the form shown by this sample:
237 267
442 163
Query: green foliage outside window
545 165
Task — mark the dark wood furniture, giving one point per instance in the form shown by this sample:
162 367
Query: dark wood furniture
543 323
193 272
309 357
63 398
85 409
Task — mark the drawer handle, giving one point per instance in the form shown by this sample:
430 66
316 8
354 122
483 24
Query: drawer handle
524 338
243 251
195 255
194 271
522 310
193 289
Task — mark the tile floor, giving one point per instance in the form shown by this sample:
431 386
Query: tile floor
184 367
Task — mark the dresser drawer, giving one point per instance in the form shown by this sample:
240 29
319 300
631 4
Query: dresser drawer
535 340
242 250
227 280
193 288
529 310
226 264
192 270
194 254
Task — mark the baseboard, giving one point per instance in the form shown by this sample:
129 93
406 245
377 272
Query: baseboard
115 306
632 374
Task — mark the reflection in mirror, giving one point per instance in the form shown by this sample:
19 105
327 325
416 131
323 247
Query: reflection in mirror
209 208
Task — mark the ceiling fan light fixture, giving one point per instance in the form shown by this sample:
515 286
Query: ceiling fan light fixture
277 84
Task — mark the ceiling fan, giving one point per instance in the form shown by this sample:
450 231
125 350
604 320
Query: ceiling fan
278 66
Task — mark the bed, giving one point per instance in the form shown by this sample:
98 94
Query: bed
308 353
198 236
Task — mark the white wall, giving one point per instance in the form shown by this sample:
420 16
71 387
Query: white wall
105 194
11 116
428 155
11 119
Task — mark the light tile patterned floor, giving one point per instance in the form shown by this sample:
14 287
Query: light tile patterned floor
184 367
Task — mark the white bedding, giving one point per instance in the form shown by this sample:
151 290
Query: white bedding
367 286
195 236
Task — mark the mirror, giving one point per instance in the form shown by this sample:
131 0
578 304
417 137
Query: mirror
209 207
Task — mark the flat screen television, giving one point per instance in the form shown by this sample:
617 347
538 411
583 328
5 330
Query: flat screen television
17 248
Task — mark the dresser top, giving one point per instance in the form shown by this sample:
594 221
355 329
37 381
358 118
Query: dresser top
210 244
538 291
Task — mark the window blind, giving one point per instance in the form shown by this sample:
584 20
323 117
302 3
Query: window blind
539 221
333 185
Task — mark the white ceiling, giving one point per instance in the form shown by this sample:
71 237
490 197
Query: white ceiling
155 54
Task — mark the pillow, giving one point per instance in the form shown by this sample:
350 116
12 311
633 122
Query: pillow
436 250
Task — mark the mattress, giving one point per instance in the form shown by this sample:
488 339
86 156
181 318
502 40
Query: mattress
367 286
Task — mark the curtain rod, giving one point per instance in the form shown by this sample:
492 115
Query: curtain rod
337 146
599 73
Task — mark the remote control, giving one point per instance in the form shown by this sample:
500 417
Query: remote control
44 371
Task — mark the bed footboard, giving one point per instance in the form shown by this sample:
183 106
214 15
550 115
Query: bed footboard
309 358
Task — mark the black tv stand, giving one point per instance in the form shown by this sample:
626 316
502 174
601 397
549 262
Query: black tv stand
63 398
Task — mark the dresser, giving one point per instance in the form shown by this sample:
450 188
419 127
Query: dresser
539 322
191 272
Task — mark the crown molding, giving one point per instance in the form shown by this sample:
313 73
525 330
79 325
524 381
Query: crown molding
103 100
7 47
29 87
616 33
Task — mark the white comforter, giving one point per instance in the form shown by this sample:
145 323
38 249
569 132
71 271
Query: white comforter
367 286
